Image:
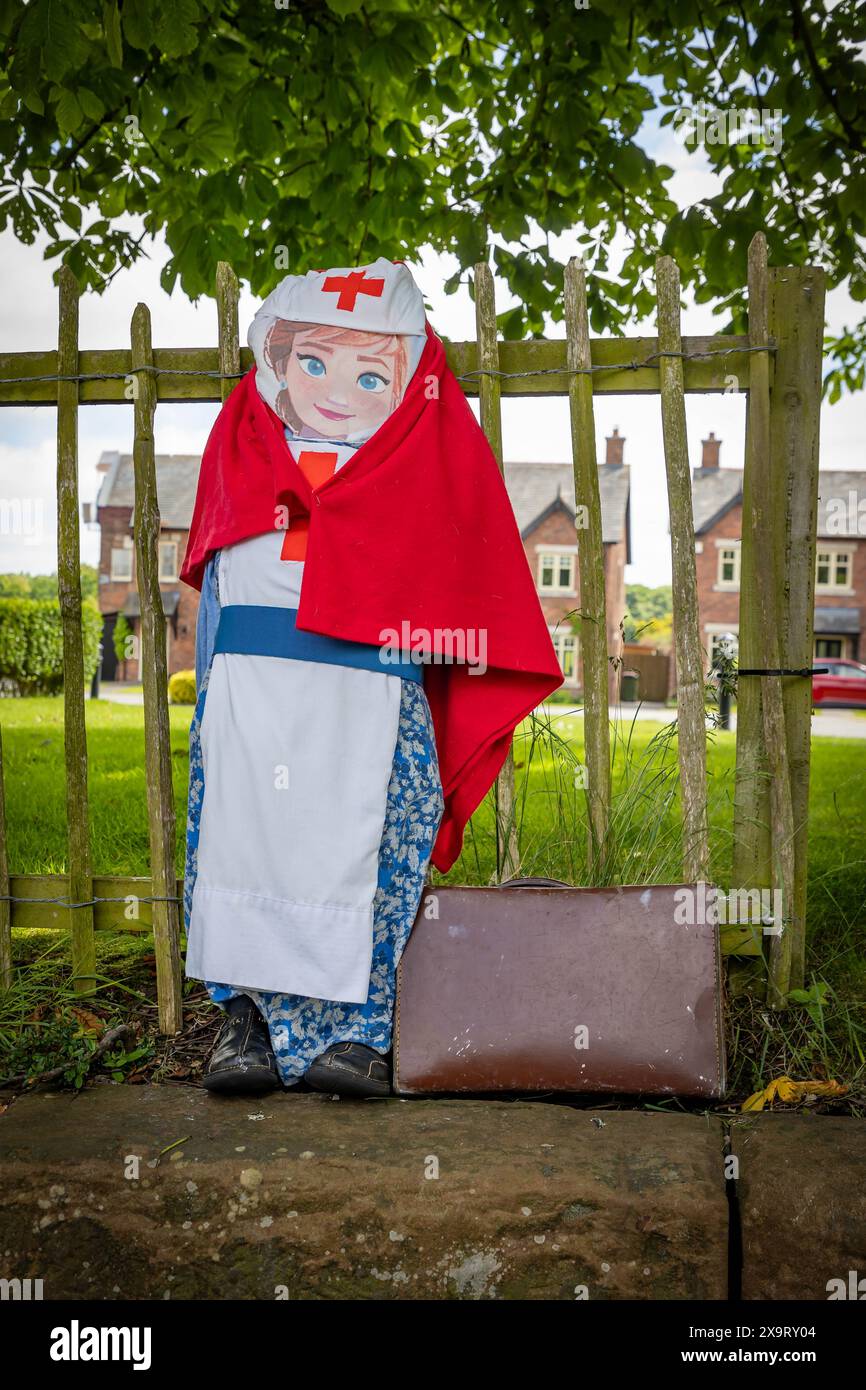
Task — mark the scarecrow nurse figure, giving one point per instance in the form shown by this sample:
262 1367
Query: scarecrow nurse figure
316 796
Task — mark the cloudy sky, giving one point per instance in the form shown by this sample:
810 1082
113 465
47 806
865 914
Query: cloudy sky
533 429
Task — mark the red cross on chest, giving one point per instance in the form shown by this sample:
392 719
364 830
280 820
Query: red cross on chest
317 469
350 286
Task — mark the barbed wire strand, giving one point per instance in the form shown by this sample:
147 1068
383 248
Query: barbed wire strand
89 902
465 376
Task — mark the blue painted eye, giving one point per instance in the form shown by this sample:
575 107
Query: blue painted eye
313 366
371 381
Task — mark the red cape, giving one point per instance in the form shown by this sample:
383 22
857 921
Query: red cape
417 527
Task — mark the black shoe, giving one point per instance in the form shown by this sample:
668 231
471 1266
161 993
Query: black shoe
242 1061
350 1069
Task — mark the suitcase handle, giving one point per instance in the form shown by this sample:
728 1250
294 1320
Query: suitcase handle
534 883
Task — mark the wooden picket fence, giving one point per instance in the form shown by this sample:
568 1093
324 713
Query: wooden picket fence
778 363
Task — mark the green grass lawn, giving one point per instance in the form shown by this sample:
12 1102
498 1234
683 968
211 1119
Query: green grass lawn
552 824
35 785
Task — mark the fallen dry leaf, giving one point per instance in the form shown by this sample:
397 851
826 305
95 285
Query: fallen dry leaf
789 1092
91 1022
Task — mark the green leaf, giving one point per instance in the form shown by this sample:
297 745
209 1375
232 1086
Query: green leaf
34 103
68 112
257 128
90 104
63 44
137 25
174 28
113 36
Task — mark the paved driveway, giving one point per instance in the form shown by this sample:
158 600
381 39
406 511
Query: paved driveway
119 694
829 723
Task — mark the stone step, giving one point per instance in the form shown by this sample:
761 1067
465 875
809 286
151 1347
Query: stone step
802 1205
305 1196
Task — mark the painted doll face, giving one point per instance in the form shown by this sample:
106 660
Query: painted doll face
338 390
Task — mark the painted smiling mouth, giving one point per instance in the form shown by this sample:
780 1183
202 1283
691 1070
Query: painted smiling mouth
332 414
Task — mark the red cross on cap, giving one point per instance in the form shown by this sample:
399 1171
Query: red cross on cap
350 286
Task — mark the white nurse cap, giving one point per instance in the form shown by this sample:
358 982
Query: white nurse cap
377 298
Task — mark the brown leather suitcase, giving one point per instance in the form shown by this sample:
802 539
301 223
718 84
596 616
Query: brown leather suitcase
536 986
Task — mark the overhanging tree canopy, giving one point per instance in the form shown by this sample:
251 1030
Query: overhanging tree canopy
291 134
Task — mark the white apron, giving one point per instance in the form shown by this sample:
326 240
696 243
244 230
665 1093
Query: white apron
297 760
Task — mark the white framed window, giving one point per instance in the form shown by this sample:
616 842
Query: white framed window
167 560
829 647
121 563
728 573
833 568
565 645
556 572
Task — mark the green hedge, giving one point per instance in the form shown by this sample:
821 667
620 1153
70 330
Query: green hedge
31 643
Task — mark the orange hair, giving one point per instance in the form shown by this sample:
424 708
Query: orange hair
279 344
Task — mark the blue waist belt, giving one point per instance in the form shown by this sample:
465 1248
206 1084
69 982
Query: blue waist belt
253 630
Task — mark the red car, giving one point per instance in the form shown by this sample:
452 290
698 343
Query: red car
844 683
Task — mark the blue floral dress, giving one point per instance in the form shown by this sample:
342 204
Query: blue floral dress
302 1028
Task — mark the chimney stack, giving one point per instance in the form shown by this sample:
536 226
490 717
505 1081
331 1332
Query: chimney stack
710 455
614 447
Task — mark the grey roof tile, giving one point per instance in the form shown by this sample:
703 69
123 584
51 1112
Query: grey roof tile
533 486
713 491
831 619
176 482
835 488
716 489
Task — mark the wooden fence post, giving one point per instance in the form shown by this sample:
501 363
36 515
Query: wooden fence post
753 855
507 844
764 527
691 717
590 561
227 324
69 593
796 322
154 669
752 861
5 890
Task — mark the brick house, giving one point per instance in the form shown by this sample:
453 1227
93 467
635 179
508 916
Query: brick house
840 576
176 479
542 495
